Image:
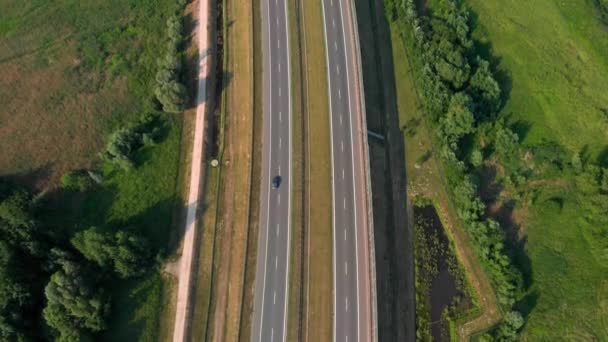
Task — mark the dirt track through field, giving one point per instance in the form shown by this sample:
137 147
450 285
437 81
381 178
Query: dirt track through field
185 267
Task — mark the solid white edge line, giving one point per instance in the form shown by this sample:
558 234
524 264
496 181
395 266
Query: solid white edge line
288 172
353 161
268 187
333 192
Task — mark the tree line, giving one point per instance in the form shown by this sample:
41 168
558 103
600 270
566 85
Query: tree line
462 99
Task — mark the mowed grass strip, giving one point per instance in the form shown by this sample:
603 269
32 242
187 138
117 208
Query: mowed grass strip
296 269
318 320
235 191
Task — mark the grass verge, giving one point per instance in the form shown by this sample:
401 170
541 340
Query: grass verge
318 317
233 225
297 257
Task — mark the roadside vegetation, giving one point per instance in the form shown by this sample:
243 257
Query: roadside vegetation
92 228
516 171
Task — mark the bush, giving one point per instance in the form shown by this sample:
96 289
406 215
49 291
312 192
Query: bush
126 141
76 181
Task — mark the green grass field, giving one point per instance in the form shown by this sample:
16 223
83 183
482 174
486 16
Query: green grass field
74 71
554 58
555 55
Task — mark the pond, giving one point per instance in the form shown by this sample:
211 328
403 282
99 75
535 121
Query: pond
440 283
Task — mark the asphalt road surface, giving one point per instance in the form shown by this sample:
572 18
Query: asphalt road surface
352 313
272 269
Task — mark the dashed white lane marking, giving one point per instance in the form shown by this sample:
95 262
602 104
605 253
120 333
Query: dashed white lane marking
342 143
346 303
280 142
342 173
335 46
339 93
274 297
333 23
276 262
279 92
344 203
277 230
277 19
346 268
344 234
279 67
337 68
271 334
279 43
279 169
340 118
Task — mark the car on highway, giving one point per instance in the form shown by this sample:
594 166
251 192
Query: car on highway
276 182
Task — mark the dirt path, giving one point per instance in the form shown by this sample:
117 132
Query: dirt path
185 267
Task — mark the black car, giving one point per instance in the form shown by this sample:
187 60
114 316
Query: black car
276 182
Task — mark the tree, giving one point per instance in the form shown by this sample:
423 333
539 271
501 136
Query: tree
459 119
506 141
126 253
172 95
604 181
15 296
17 224
512 322
476 158
75 303
577 163
485 91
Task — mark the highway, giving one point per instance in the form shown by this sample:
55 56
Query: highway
272 267
352 302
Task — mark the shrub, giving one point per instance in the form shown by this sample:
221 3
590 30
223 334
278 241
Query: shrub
76 181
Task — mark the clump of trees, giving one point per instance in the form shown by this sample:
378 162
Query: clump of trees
123 143
76 303
16 298
169 91
65 275
125 253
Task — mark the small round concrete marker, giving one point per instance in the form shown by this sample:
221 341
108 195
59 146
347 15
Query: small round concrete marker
215 163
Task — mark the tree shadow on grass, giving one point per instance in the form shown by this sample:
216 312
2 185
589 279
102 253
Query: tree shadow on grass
485 50
516 248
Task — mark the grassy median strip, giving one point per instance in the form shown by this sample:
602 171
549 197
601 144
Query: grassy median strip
297 257
318 319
